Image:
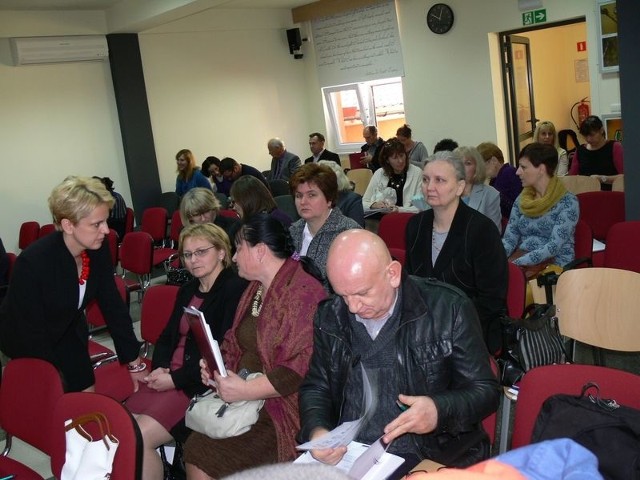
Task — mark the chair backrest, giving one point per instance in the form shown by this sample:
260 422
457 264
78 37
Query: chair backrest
540 383
618 183
28 234
279 187
170 201
599 307
392 229
287 204
154 222
12 261
583 247
127 463
157 307
129 220
176 228
94 314
361 177
112 238
516 291
622 246
568 134
229 213
580 183
46 230
30 389
223 198
601 210
136 253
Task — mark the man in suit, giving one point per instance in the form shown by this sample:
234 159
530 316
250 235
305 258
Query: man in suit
372 148
316 145
283 163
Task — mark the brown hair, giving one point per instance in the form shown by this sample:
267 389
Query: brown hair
390 148
188 173
252 196
321 175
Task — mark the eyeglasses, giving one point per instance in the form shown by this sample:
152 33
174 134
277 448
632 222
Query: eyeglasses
191 216
198 253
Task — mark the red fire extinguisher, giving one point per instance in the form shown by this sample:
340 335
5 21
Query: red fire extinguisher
583 111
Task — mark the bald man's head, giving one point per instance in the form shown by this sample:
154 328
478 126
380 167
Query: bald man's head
360 270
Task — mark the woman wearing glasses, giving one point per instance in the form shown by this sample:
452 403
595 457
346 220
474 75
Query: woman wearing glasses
175 374
397 175
272 333
200 205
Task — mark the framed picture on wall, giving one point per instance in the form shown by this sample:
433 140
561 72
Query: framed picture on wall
613 126
607 16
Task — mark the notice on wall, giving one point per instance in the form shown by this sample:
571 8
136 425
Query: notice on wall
359 45
581 68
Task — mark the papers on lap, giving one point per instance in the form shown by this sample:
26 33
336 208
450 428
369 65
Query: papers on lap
208 346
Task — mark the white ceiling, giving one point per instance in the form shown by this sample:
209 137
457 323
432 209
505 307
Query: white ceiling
107 4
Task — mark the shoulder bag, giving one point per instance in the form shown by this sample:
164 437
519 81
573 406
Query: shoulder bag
86 458
215 418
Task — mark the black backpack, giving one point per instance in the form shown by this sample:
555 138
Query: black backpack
609 430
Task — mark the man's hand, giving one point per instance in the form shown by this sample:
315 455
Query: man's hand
366 160
330 456
421 417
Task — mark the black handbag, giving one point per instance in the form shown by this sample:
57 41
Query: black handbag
176 273
529 342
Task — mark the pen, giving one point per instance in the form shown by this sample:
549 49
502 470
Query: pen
8 477
401 406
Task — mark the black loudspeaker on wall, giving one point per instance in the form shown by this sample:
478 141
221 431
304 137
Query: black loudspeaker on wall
294 39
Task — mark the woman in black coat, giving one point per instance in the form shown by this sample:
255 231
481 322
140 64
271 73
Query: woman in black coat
458 245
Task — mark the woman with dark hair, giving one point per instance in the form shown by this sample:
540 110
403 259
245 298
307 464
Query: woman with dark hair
416 151
189 176
272 333
118 214
250 196
543 219
396 174
211 170
315 188
458 245
161 402
598 157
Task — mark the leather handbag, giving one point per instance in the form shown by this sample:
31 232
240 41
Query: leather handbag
176 274
215 418
530 271
86 458
530 342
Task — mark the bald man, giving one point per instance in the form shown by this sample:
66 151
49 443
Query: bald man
421 344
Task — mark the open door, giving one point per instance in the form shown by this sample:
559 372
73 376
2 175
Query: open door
518 86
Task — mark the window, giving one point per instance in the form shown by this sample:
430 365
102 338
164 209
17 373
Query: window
352 107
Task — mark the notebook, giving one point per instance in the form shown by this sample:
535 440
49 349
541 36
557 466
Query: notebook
208 346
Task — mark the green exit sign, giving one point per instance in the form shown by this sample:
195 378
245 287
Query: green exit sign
534 16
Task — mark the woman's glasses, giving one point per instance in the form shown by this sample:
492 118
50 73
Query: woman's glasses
197 253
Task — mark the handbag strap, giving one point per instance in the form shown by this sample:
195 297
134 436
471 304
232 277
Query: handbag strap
96 417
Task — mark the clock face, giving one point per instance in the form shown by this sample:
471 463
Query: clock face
440 18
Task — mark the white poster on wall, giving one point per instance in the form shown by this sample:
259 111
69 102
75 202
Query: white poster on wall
359 45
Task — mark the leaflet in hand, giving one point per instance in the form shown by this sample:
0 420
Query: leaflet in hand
208 346
363 462
344 433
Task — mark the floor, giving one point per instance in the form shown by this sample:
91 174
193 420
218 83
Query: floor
40 462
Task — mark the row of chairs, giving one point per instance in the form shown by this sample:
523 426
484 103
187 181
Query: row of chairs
35 412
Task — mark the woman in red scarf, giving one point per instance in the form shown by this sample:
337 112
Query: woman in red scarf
272 333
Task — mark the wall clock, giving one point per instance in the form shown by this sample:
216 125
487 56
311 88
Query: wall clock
440 18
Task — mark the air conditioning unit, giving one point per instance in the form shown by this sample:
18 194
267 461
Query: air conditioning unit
80 48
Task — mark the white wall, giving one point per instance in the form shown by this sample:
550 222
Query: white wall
223 83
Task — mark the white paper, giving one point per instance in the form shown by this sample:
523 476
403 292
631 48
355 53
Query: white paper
344 433
382 467
598 246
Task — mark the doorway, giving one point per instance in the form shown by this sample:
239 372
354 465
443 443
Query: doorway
545 74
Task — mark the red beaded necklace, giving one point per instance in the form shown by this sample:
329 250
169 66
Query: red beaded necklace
84 273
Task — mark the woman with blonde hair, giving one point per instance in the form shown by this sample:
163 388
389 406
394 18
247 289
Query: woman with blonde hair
189 176
200 205
55 278
215 290
476 194
546 133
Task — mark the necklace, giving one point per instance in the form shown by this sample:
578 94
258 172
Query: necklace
256 305
84 272
397 180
